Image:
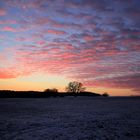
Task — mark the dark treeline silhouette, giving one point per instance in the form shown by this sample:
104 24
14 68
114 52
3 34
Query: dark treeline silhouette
45 94
73 89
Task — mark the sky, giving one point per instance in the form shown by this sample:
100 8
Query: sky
48 43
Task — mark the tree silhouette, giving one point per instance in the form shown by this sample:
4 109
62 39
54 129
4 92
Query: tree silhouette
75 87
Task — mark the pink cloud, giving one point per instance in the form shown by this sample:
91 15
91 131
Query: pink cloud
12 29
42 21
127 81
8 22
81 65
57 24
64 45
2 12
7 73
56 32
41 42
88 38
9 29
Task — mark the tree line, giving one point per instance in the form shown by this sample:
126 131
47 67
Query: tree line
73 89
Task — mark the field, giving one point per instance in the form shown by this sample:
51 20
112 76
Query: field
70 118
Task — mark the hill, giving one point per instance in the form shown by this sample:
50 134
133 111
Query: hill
37 94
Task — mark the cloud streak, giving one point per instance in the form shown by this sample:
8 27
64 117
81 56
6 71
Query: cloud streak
2 12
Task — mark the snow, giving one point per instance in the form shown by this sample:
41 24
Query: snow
70 118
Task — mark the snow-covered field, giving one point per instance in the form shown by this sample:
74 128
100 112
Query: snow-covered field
70 118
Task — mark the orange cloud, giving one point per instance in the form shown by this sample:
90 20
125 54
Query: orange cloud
7 73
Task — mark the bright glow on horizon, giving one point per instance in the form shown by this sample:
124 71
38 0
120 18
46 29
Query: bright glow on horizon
35 81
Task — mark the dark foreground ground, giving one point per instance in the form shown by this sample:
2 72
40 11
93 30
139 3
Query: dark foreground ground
70 118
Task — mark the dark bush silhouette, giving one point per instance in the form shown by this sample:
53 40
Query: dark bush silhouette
105 94
53 90
75 87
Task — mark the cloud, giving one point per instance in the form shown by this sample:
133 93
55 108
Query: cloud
8 22
97 42
13 29
7 73
8 29
124 82
2 12
56 32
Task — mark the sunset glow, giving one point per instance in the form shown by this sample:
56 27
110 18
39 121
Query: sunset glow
48 43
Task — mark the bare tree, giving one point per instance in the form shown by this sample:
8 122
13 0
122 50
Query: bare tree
75 87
